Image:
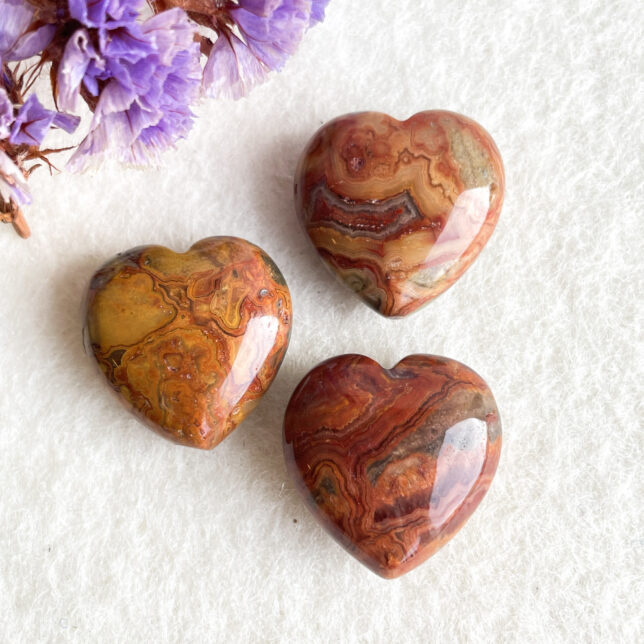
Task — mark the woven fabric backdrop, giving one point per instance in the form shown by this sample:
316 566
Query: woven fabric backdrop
110 534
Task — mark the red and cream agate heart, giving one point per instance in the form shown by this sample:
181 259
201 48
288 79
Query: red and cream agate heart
392 462
399 209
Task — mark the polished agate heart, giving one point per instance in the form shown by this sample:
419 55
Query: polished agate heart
399 209
392 462
190 340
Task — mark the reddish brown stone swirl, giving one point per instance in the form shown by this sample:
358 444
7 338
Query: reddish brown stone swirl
392 462
190 340
399 210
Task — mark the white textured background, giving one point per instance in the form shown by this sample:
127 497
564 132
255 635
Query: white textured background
111 534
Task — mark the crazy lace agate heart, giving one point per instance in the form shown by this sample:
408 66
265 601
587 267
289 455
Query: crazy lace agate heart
392 462
190 341
399 209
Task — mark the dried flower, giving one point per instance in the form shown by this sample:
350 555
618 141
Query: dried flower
253 38
139 78
13 184
33 122
20 36
20 139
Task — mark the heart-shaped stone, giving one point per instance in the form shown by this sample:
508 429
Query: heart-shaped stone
190 340
399 210
392 462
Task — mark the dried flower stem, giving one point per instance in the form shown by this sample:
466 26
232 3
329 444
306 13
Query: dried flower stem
11 214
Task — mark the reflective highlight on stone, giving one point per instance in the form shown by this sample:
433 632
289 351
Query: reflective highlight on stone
399 210
190 340
392 462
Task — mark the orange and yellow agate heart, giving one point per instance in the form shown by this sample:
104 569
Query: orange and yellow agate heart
191 341
399 209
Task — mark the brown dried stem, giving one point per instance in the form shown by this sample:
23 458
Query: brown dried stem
11 214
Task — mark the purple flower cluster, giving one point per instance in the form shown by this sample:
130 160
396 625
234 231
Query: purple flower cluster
138 75
144 76
32 121
26 127
269 32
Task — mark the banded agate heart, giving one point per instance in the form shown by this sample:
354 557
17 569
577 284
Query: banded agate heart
191 341
399 210
392 462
